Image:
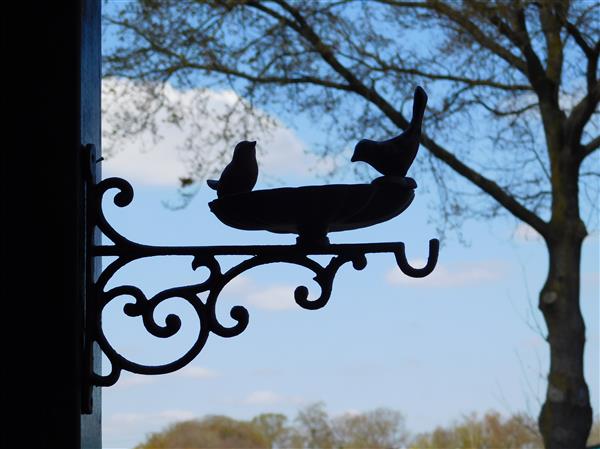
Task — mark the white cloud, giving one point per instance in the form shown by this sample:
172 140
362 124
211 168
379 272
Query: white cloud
155 418
459 275
270 398
277 297
143 159
159 167
525 233
175 415
263 398
126 429
196 372
240 284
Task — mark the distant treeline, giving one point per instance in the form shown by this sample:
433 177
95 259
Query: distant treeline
382 428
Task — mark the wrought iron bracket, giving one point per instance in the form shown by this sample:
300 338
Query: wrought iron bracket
202 296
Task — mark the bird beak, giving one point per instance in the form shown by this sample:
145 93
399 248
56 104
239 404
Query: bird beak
253 143
354 158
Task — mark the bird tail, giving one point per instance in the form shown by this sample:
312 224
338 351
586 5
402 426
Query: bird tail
419 103
213 184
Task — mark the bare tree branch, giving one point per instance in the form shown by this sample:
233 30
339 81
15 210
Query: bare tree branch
590 147
385 67
505 113
579 38
546 88
262 78
464 22
581 114
551 28
591 53
590 50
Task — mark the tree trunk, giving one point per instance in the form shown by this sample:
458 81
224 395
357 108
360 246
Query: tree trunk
566 416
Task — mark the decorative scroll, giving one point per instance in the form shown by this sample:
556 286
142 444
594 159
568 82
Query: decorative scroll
144 307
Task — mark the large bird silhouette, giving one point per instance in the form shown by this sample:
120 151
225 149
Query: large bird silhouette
239 176
393 157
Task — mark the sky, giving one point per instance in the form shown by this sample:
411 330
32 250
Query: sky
467 338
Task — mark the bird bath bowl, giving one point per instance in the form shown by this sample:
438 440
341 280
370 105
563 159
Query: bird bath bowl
313 211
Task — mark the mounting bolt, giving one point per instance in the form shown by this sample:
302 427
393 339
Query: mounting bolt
89 160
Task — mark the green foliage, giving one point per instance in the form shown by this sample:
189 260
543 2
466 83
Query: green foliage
489 432
314 427
378 429
382 428
273 426
212 432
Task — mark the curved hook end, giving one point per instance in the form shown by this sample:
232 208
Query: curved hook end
301 298
407 269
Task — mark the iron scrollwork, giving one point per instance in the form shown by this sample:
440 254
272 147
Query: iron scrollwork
125 251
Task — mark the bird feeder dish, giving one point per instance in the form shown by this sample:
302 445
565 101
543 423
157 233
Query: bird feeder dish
314 211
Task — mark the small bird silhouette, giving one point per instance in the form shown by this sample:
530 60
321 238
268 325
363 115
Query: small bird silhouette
240 174
393 157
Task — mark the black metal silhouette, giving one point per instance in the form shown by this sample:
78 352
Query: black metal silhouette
127 251
311 212
394 157
240 174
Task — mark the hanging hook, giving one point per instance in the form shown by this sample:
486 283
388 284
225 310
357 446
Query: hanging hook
407 269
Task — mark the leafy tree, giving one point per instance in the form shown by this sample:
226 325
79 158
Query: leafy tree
212 432
273 426
381 428
314 428
490 431
513 89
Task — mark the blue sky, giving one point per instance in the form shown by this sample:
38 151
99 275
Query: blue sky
464 339
468 338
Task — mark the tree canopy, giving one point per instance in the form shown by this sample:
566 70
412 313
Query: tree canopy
215 432
497 74
382 428
489 431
